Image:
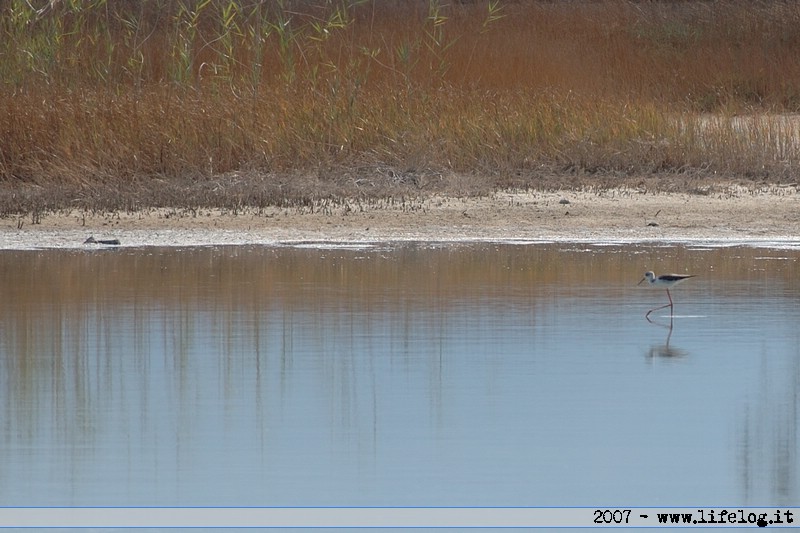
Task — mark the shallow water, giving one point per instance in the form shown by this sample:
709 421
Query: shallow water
418 375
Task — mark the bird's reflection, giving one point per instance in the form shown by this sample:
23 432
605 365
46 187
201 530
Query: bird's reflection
665 350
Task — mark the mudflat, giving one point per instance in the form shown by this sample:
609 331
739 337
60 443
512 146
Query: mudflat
732 214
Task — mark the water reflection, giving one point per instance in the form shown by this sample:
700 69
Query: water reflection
665 350
397 375
768 429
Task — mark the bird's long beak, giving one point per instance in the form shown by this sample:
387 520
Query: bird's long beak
641 281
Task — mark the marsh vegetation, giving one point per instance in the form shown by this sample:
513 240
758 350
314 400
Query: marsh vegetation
195 103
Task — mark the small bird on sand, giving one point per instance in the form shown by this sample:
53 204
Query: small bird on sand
664 281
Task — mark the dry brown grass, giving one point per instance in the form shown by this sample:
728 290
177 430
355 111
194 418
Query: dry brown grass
122 105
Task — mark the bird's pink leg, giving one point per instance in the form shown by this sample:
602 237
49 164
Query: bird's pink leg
647 316
656 309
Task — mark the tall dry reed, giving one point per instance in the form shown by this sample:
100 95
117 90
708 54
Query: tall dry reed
170 101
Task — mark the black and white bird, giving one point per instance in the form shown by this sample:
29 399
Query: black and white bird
664 281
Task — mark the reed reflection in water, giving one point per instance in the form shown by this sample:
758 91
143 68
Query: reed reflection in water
398 375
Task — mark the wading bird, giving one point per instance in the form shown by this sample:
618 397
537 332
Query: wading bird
664 281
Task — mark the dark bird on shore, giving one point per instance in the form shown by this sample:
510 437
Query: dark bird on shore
109 242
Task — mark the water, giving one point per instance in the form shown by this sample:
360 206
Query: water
483 374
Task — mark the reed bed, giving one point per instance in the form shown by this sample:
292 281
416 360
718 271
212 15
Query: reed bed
121 104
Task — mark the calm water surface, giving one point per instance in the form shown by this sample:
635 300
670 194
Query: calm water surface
460 375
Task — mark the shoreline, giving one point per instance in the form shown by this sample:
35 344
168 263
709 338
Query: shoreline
769 217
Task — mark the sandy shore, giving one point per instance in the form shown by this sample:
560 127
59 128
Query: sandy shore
770 216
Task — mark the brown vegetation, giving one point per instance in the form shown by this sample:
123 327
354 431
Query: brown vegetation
122 105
